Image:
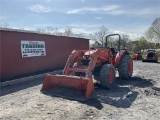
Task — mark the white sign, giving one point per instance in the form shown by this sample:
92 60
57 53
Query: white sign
33 48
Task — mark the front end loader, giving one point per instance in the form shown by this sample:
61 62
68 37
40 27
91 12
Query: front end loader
85 66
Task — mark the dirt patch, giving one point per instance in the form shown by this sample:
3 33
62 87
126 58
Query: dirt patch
137 98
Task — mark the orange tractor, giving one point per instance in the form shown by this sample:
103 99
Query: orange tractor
137 56
151 56
83 67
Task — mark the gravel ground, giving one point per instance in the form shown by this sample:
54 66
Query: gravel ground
134 99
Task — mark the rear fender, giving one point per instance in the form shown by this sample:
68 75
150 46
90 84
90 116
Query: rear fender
119 56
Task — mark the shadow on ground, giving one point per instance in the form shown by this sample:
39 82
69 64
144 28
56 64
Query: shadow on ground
122 95
14 88
158 62
152 62
20 86
31 74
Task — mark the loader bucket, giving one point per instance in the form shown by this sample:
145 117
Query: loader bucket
64 86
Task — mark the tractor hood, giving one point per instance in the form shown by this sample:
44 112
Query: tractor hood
90 52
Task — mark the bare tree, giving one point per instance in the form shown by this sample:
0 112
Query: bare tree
153 32
57 32
5 25
100 35
81 35
68 31
124 41
40 30
49 30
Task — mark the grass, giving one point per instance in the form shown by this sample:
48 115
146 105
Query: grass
143 56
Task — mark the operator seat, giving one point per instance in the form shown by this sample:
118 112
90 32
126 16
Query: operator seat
113 51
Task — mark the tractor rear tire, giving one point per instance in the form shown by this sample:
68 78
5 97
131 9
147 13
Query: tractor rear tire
125 67
107 76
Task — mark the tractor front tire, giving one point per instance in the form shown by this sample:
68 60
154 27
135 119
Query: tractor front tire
125 67
107 76
156 59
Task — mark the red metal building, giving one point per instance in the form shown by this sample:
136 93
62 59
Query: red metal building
57 49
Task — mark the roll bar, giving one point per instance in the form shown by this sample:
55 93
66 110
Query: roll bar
119 43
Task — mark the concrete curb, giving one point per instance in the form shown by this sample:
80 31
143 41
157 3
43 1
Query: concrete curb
21 80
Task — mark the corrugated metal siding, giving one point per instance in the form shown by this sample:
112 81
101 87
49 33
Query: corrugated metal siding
57 50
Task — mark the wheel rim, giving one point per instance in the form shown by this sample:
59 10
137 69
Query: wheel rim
130 67
111 76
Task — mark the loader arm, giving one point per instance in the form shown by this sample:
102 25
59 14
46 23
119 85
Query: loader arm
76 54
92 63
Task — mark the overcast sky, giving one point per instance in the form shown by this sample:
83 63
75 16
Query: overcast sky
131 17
